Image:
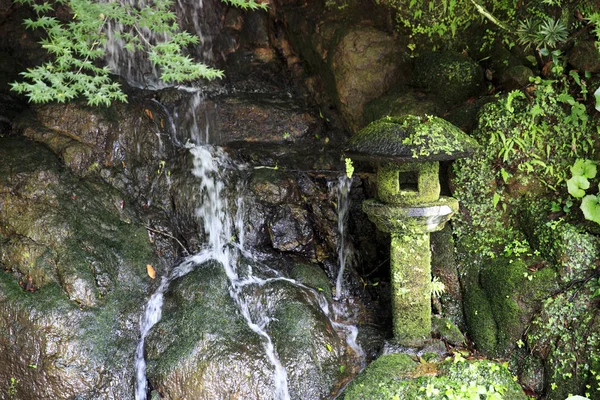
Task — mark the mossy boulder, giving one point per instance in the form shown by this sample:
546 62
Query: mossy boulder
516 77
584 57
312 276
513 293
398 376
446 330
451 76
203 343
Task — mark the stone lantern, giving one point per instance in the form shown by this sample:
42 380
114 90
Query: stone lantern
407 152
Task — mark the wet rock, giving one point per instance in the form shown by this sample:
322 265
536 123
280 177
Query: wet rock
451 76
204 349
312 276
584 57
128 145
365 63
290 230
70 329
264 119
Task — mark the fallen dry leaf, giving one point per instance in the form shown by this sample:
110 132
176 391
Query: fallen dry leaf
149 114
151 271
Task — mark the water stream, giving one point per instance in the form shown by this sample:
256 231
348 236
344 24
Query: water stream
344 315
220 224
342 192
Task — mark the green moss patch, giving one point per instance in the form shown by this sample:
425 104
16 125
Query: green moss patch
396 376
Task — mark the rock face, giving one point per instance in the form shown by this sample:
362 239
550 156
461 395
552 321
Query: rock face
72 283
76 245
356 60
365 63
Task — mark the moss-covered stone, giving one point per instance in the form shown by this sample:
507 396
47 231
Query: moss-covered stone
379 378
451 76
81 261
410 139
312 276
514 293
396 376
426 217
390 190
410 270
480 320
446 330
203 343
400 102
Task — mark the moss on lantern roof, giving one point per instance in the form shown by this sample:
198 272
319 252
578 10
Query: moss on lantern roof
411 138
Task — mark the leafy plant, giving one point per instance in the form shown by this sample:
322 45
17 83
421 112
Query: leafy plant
583 170
437 287
577 186
77 45
349 168
590 205
12 389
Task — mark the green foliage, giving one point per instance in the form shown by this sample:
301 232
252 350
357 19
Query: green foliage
548 33
565 332
540 136
76 47
582 171
577 186
349 168
437 287
590 205
453 379
12 388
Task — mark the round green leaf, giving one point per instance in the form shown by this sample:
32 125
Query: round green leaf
577 186
590 205
585 168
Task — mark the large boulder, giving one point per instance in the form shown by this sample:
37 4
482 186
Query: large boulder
365 63
72 280
203 348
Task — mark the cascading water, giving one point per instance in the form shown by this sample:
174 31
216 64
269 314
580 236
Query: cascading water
135 67
342 191
219 227
344 317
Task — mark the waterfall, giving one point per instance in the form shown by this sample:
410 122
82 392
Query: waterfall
344 317
342 192
219 226
193 16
